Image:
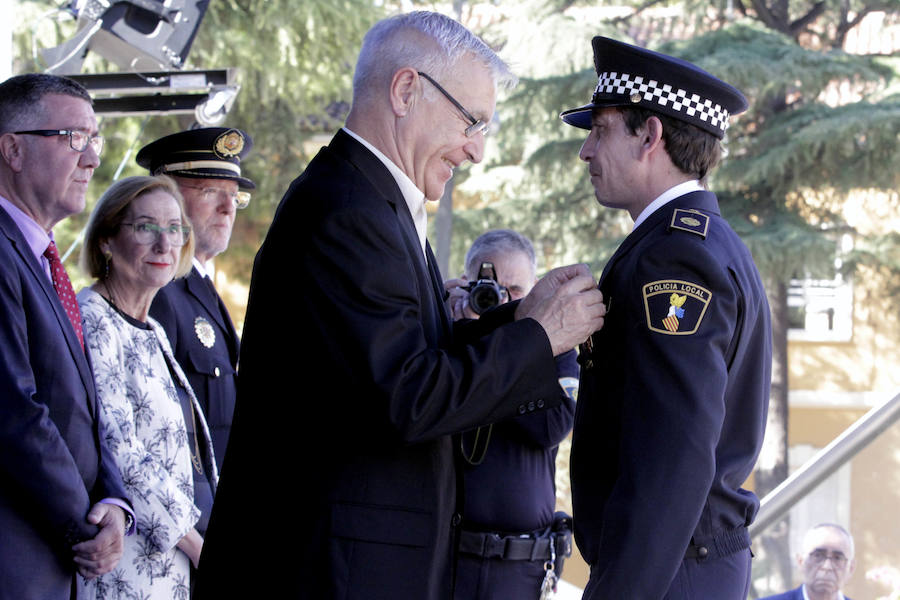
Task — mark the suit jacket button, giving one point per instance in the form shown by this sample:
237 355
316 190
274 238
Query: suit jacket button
702 551
521 409
455 520
540 403
530 406
216 371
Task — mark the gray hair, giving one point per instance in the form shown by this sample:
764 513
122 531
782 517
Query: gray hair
21 98
497 241
426 41
834 527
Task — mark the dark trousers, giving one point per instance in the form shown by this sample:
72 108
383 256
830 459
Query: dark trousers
725 578
496 579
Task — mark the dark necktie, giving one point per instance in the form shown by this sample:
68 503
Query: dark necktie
64 289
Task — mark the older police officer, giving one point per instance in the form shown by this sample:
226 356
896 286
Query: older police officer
674 389
206 165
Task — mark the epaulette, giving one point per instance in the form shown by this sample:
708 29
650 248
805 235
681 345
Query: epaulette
690 220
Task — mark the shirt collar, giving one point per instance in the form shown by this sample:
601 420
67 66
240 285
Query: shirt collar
35 236
806 596
667 196
414 197
201 268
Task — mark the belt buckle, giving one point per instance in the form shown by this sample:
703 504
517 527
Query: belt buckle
494 546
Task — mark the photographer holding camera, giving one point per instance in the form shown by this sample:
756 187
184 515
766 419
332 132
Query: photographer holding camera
512 542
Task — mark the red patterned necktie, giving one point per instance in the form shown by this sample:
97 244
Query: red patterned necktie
64 289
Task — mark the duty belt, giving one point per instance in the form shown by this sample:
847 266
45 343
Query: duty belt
492 545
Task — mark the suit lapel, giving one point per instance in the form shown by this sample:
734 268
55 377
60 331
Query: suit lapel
437 284
17 240
202 290
370 167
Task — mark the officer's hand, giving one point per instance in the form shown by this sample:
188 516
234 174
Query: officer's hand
567 304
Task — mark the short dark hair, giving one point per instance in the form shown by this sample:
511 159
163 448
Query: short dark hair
496 241
692 150
108 214
21 96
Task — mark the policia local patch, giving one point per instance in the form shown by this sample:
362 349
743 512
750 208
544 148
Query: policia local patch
675 307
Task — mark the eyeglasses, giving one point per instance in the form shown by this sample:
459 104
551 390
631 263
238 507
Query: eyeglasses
78 140
820 556
477 125
147 233
210 194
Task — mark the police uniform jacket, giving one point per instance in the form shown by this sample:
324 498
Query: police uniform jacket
511 487
672 403
206 346
362 421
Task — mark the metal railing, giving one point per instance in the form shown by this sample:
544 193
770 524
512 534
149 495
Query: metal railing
805 479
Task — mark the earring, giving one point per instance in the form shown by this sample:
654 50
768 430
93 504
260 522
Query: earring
108 256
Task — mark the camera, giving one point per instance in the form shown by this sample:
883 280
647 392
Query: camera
485 293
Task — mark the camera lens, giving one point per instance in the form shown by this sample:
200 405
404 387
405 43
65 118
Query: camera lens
484 295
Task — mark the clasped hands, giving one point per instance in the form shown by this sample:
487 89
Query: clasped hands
100 554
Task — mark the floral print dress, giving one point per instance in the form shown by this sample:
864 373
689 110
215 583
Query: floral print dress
144 428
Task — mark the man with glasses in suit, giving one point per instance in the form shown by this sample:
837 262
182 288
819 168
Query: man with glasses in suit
63 506
353 378
827 562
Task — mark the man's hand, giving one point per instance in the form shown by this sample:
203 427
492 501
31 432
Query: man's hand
192 545
567 304
459 299
101 554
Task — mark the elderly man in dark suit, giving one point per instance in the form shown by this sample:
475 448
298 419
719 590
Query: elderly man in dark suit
353 377
206 164
63 506
827 560
674 389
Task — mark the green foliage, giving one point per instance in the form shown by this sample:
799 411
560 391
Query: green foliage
844 147
294 63
819 119
880 253
772 70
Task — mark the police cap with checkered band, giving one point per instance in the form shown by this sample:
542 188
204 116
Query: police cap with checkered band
633 76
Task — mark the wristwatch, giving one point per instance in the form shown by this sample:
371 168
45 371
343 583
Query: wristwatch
129 521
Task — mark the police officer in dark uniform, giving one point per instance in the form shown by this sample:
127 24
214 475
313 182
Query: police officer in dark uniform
512 540
674 389
206 165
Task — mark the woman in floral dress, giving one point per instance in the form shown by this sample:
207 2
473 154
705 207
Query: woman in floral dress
137 240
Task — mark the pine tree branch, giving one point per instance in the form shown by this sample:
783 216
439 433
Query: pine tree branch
846 24
637 11
767 16
814 13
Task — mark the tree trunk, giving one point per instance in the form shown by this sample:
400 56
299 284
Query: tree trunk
772 466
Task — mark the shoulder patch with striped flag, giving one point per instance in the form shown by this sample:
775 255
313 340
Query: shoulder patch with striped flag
675 307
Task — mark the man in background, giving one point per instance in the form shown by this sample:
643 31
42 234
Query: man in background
63 506
353 377
512 539
206 164
675 388
826 561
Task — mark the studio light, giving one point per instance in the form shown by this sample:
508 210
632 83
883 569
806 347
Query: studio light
212 112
